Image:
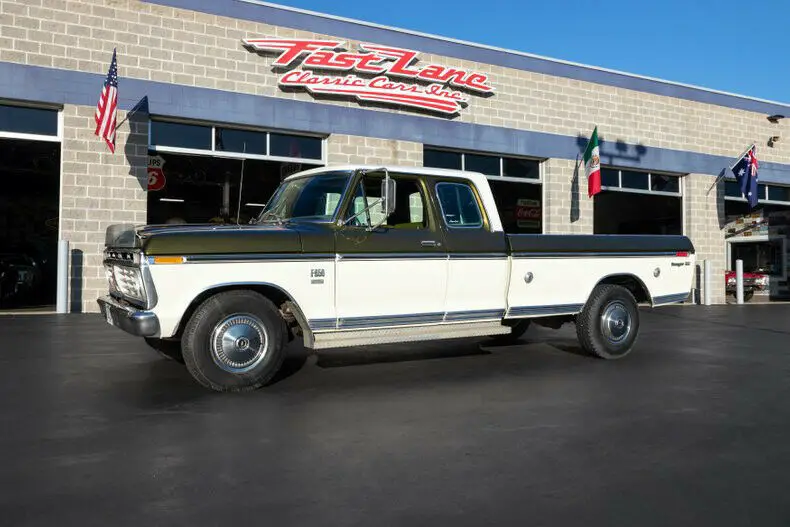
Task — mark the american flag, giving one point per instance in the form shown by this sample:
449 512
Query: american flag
107 109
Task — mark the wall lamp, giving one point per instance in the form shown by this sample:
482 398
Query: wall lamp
775 118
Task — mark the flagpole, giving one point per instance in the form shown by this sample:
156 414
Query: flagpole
753 145
724 172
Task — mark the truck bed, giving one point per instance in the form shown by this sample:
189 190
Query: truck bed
597 244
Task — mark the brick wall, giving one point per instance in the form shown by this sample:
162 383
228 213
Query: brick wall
98 189
195 49
343 149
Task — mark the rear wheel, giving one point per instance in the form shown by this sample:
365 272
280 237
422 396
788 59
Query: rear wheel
235 341
608 325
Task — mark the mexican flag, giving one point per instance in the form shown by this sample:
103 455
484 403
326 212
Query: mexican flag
592 165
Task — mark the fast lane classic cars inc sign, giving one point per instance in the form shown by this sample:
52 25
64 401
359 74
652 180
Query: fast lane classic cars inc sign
389 75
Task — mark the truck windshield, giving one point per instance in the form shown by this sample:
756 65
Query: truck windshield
310 197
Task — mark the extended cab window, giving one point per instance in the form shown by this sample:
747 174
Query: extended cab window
459 205
409 204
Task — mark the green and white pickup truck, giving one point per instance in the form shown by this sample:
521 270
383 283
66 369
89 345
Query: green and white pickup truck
355 255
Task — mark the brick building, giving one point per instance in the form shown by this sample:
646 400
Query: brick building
203 101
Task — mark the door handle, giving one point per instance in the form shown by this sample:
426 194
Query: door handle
430 243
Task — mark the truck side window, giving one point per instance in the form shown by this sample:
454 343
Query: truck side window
409 208
459 206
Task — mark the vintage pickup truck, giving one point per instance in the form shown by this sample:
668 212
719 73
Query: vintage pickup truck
357 255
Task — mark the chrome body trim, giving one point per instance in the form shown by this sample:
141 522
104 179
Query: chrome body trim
405 320
671 299
534 311
486 314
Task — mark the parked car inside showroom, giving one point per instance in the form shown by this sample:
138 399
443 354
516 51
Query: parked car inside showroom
755 281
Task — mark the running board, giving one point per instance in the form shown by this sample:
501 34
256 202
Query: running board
363 337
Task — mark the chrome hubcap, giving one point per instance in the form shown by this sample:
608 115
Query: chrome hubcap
239 343
615 322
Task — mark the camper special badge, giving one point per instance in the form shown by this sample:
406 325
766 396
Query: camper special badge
390 74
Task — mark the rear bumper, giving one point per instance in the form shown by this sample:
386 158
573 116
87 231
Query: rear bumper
128 318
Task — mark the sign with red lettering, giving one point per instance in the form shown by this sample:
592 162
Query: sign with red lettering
443 90
528 213
156 173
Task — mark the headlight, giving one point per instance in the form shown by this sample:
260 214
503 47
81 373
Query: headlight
731 281
129 282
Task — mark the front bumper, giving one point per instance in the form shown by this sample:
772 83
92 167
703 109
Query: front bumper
128 318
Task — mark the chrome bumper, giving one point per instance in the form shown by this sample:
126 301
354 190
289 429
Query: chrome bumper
128 318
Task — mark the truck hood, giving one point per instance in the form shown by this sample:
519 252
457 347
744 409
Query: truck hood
191 239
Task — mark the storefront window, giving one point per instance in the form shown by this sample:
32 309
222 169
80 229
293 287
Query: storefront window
635 180
662 183
241 141
610 178
166 135
180 135
520 168
519 206
295 146
442 159
24 120
488 165
192 180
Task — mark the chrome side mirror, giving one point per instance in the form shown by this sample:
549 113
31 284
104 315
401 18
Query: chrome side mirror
388 187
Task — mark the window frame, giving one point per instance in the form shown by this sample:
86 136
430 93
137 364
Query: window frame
649 176
502 157
763 199
439 184
213 152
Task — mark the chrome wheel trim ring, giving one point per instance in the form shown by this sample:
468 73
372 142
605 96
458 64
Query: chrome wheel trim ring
616 322
239 343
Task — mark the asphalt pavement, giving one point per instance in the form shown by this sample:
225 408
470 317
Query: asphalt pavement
693 428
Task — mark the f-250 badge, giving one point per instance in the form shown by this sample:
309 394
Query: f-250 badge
317 276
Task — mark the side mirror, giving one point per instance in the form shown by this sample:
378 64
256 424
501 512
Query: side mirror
388 196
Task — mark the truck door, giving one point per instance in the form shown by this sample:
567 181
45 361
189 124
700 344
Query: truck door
478 262
395 274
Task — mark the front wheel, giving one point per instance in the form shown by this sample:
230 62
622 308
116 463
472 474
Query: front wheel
235 341
608 325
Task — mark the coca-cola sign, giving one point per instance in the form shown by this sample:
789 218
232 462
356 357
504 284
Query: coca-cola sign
389 75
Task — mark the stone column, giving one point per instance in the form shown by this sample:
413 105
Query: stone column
99 188
703 207
568 210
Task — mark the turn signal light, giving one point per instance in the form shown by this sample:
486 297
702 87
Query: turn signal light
682 253
168 259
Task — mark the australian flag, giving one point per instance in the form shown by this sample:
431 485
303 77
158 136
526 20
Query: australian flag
745 171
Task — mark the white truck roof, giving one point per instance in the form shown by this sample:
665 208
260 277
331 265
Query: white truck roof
478 179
